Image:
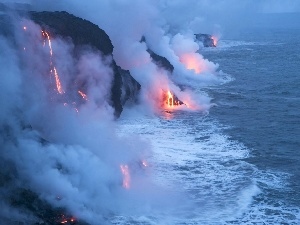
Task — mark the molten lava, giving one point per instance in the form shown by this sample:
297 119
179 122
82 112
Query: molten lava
215 40
67 220
45 34
171 100
53 68
126 176
57 81
84 96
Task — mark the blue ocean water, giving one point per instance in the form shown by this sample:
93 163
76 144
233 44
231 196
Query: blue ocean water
262 107
238 164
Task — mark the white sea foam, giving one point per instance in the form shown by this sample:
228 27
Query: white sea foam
192 154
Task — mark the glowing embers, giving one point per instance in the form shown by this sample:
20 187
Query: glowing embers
83 95
170 100
57 81
126 176
67 220
53 69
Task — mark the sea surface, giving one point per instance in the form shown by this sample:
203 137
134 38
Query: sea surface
239 163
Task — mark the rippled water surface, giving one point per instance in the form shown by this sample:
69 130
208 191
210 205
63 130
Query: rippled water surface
240 163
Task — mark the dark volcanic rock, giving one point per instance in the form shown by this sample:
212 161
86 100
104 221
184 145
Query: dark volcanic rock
83 32
46 214
130 88
161 61
206 39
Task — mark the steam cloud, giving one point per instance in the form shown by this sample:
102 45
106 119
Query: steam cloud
76 157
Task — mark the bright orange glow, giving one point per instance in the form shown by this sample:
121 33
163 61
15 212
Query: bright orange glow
171 100
53 70
49 41
67 219
191 62
58 84
84 96
126 176
215 40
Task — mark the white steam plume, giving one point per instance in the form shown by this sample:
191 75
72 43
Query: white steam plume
71 159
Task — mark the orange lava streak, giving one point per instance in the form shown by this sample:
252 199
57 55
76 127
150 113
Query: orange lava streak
215 40
126 176
54 70
49 41
170 101
84 96
57 81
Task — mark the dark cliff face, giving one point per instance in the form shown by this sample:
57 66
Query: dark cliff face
85 33
124 89
206 39
161 61
81 31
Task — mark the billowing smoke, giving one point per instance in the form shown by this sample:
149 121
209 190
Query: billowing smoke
60 143
127 24
58 136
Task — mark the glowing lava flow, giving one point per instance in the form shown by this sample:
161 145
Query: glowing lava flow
126 176
53 69
57 81
215 40
84 96
171 100
44 33
67 220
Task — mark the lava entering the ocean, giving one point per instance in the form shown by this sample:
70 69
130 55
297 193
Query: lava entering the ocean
215 40
170 100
